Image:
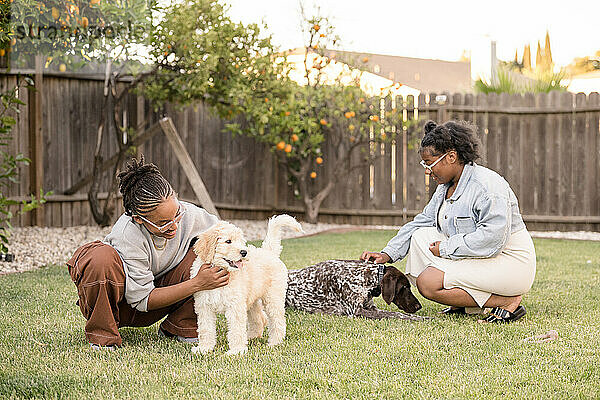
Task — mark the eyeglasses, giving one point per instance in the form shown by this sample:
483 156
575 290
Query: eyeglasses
429 167
168 225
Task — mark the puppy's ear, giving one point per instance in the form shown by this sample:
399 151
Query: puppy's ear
206 244
388 287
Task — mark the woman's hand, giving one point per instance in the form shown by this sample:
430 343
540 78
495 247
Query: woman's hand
377 258
210 277
434 248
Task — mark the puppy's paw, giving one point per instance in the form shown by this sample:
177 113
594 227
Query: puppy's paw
201 349
236 351
275 342
276 336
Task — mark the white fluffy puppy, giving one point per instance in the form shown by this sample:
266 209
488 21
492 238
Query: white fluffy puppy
257 278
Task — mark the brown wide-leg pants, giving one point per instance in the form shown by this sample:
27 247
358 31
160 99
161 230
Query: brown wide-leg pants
97 271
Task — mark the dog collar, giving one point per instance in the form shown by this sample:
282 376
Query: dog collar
380 272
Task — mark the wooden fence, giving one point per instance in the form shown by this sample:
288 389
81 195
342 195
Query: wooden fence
547 146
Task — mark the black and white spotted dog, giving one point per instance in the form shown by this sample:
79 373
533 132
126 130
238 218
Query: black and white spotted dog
347 287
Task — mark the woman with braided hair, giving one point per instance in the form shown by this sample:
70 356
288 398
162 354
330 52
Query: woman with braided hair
140 272
469 248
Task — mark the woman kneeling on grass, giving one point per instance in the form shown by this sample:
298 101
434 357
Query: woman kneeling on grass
469 248
140 272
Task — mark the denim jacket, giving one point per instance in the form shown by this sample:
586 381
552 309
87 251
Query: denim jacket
483 212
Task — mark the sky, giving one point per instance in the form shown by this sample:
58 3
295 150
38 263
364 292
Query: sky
437 29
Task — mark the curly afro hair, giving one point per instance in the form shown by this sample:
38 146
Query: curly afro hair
460 136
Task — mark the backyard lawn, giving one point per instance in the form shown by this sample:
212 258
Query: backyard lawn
44 353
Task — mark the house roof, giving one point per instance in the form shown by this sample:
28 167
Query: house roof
427 75
584 83
588 75
339 71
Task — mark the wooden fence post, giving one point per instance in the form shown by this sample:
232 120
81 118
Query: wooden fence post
36 140
188 166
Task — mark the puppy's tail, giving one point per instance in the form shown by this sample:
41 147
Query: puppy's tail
272 241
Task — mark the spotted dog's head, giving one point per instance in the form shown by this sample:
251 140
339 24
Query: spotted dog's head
395 288
223 245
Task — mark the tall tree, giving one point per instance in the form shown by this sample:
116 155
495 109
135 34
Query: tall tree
527 58
70 34
548 52
180 52
295 120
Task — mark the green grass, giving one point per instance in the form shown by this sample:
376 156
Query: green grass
44 353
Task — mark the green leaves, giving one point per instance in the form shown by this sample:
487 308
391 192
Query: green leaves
201 55
73 32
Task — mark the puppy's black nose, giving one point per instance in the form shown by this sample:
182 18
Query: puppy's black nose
243 253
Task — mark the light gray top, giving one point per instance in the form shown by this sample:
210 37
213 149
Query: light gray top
142 261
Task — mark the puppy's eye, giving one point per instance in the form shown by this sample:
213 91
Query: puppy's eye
228 241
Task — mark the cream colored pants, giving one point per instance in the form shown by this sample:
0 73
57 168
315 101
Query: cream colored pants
510 273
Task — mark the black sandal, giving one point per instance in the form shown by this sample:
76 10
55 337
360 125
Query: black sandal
454 311
500 315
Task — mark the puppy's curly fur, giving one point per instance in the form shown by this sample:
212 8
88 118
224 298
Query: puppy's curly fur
257 284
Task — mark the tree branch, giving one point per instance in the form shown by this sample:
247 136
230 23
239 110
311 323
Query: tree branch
105 165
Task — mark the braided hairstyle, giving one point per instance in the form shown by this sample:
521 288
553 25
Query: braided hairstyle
143 187
460 136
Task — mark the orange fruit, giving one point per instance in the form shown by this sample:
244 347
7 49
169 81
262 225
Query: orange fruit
365 59
322 35
351 127
316 27
13 41
319 160
362 99
313 174
287 113
352 113
374 118
94 1
2 52
85 22
294 138
266 99
323 122
281 145
348 114
288 148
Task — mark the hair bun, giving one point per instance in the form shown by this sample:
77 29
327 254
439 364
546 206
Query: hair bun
429 126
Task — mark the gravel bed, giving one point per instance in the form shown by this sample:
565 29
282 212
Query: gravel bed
35 247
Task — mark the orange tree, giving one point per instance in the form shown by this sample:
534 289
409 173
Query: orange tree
69 34
296 120
179 52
